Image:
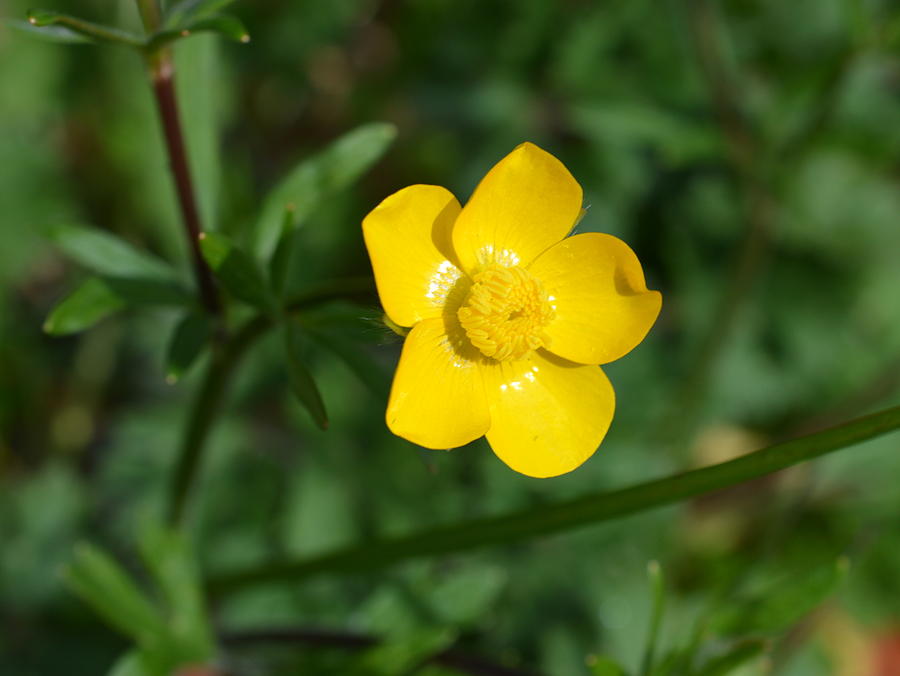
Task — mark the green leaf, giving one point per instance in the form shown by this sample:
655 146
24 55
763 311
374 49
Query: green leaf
51 33
780 605
400 656
654 573
318 178
192 10
225 25
238 272
106 254
601 665
102 583
187 342
302 383
563 516
734 658
171 562
93 31
281 259
371 373
130 664
100 297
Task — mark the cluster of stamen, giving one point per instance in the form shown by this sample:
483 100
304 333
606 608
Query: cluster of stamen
505 313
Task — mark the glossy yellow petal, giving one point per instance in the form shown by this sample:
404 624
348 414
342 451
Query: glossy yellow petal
548 415
603 307
526 203
438 399
408 238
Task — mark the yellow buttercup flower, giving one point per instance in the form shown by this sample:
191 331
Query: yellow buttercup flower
510 319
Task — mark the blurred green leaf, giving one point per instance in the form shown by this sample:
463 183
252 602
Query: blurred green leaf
170 560
302 383
93 31
318 178
657 584
370 372
188 340
51 33
401 655
130 664
102 584
192 10
238 272
225 25
781 604
600 665
99 297
106 254
281 258
462 597
734 658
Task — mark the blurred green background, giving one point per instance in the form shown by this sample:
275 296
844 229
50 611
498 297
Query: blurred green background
747 150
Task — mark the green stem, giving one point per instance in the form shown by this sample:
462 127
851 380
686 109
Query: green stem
567 515
208 399
205 407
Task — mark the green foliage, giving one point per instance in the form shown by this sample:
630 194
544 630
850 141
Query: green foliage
302 383
238 272
189 338
316 179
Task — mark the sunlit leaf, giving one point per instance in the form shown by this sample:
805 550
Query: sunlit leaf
319 177
238 272
191 335
600 665
302 383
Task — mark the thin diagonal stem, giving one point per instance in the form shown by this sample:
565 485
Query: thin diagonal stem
162 74
565 516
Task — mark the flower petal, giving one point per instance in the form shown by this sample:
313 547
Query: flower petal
408 238
526 203
548 415
603 307
438 398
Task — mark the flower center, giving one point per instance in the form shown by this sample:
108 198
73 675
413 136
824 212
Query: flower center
505 313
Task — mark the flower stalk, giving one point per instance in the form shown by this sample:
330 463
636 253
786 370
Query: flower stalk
162 75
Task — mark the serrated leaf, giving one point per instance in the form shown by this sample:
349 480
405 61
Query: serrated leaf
188 10
734 658
780 605
238 272
189 338
106 254
227 26
318 178
51 33
100 297
93 31
102 584
302 383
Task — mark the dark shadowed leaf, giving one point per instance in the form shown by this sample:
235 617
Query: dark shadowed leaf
319 177
188 340
238 272
302 383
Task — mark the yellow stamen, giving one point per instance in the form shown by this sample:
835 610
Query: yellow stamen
505 313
